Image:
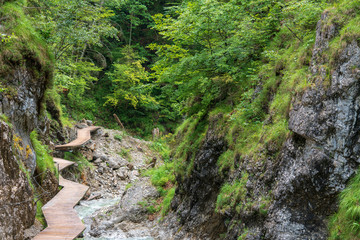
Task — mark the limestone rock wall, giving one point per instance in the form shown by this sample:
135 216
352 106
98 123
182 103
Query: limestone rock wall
25 74
17 210
22 106
324 152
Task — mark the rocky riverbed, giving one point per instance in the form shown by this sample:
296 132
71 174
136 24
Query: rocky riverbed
119 191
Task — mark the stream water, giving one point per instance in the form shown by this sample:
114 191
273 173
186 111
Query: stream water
118 238
86 209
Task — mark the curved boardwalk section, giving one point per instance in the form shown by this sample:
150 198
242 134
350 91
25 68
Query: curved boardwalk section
63 222
83 136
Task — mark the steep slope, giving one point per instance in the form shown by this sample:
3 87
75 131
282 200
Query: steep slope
321 156
17 210
25 73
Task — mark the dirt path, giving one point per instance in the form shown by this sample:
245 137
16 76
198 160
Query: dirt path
63 221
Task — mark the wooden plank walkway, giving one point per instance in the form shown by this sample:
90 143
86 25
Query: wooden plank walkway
62 220
83 136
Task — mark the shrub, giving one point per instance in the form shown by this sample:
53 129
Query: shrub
118 137
162 175
163 178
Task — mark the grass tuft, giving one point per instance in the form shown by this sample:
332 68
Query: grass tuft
82 162
344 224
44 160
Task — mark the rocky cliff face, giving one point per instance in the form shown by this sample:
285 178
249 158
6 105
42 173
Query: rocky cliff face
323 153
196 196
17 209
22 104
314 165
24 76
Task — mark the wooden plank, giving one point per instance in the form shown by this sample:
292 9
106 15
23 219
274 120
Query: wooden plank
83 136
62 220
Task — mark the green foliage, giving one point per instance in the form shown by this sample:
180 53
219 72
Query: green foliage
130 86
82 162
232 196
55 110
163 178
133 19
5 118
73 24
118 137
21 44
161 147
44 160
39 214
125 154
194 63
345 223
129 185
188 139
74 77
167 201
215 56
88 40
152 209
162 175
243 235
73 29
151 206
226 160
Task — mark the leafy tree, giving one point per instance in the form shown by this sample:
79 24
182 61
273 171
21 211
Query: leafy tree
130 83
210 47
71 28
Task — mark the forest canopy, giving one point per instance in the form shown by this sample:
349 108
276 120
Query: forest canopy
156 62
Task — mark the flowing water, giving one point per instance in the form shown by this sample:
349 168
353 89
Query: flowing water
141 238
87 208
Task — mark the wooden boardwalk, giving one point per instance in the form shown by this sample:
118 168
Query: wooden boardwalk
62 220
83 136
